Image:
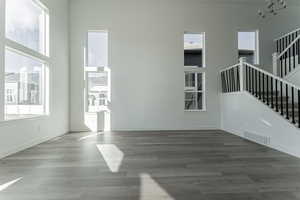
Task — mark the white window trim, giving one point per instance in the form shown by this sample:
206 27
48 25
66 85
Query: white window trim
45 84
197 69
96 70
90 69
43 57
203 51
257 43
203 91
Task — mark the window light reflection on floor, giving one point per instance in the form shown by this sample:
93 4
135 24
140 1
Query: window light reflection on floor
150 189
112 155
90 136
6 185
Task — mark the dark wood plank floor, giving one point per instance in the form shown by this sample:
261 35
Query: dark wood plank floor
181 165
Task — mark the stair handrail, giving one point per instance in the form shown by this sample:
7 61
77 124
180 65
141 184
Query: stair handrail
228 68
273 76
288 47
242 64
294 31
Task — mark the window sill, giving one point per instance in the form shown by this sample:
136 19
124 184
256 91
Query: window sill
193 68
37 117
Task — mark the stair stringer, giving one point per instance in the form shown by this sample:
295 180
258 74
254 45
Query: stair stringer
242 113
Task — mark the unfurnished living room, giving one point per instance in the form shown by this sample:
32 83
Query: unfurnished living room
149 99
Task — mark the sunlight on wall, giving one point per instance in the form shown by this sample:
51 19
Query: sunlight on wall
112 155
150 189
107 121
6 185
91 121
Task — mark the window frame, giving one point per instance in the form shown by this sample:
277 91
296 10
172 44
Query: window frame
87 86
46 43
86 51
257 43
96 69
196 70
203 50
195 90
43 57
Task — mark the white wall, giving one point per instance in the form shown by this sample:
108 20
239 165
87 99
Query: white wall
146 58
21 134
294 76
2 37
241 112
273 27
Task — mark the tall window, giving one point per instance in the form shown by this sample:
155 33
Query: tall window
97 71
194 74
26 59
248 44
97 49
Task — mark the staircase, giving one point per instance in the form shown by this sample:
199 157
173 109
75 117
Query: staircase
287 59
279 95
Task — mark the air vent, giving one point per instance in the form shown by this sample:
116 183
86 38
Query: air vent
257 138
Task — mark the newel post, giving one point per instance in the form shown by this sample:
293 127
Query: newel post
275 66
242 62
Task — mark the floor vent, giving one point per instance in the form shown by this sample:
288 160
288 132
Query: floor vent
257 138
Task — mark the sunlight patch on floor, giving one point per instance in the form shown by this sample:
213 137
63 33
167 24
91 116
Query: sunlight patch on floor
150 189
90 136
6 185
91 121
112 155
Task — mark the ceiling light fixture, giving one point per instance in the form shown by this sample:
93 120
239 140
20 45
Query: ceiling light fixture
273 6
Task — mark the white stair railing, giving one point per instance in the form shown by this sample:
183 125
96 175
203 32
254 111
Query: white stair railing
287 58
282 96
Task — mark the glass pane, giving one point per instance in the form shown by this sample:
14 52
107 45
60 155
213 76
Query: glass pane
247 46
247 40
200 81
97 54
190 79
24 86
190 101
26 24
200 100
193 49
98 91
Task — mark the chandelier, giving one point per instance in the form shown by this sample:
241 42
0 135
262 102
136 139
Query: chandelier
273 6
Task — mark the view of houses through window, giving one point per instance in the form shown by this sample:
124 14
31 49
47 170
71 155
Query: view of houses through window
25 64
97 71
97 91
194 74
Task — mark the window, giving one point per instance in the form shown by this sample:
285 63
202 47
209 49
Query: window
24 85
194 64
97 91
27 24
194 50
97 71
97 47
248 46
26 58
194 93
